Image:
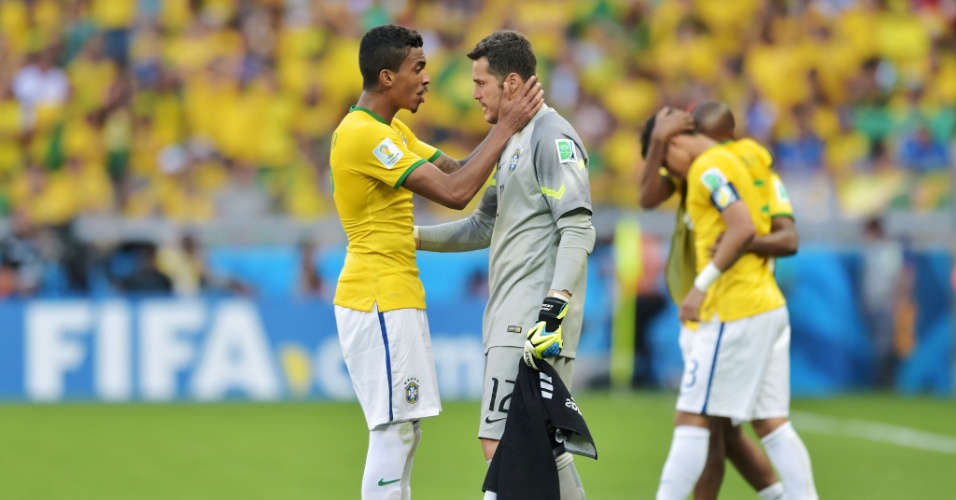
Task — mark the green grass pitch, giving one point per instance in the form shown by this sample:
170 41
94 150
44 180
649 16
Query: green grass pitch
316 450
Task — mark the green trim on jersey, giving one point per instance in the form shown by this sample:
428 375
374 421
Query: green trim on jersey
408 171
789 216
435 156
370 112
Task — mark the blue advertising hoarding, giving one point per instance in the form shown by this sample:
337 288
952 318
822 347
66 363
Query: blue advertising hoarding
202 349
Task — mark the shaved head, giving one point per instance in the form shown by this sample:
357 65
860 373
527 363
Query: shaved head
714 119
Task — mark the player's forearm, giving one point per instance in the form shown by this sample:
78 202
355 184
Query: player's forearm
781 242
450 165
464 161
734 244
464 235
577 242
654 188
777 244
464 184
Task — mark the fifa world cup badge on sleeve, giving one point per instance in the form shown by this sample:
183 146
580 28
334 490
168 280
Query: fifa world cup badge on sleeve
411 390
388 153
566 152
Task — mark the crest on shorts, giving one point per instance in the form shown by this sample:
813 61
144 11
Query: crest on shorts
514 160
411 391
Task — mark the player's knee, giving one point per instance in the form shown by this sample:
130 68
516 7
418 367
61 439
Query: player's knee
394 443
390 447
765 426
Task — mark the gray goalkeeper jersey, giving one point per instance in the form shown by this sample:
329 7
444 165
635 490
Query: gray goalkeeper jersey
542 175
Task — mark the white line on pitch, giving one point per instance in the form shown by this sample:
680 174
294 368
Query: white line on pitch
874 431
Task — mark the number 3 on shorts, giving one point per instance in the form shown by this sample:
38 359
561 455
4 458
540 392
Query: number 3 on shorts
692 373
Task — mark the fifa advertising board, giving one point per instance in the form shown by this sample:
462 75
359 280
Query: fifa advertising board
203 349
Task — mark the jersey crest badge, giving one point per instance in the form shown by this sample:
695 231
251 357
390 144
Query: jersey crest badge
514 160
411 391
566 151
388 153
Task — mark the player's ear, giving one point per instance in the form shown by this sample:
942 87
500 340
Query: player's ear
386 78
513 83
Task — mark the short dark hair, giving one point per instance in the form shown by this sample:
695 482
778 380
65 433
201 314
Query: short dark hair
716 117
385 47
507 52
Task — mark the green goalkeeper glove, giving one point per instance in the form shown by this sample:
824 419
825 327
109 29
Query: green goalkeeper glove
544 339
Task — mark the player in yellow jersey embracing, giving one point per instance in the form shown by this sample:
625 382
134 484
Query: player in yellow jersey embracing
737 360
377 164
715 120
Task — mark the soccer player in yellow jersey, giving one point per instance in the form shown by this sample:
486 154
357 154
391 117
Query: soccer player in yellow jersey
715 120
377 164
737 360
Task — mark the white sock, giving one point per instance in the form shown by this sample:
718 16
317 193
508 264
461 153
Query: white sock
407 474
390 449
568 479
789 455
773 492
685 462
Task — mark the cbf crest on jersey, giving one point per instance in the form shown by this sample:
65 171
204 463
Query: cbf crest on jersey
411 390
514 160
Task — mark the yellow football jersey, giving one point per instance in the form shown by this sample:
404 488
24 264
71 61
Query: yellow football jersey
681 263
758 161
718 178
370 160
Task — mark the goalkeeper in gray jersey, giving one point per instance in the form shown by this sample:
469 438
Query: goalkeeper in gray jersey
536 216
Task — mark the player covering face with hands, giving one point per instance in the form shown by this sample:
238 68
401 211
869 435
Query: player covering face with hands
377 163
536 217
737 357
715 120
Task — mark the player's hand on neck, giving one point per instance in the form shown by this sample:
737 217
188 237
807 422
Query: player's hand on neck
520 101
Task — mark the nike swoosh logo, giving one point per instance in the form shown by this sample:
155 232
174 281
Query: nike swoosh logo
382 482
488 420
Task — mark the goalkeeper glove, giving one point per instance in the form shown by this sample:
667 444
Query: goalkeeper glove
544 339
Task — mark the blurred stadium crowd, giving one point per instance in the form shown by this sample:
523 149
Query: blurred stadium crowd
194 110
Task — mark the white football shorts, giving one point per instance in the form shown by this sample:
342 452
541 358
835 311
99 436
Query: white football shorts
738 369
389 358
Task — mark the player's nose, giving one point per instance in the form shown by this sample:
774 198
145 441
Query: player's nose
425 78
